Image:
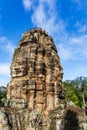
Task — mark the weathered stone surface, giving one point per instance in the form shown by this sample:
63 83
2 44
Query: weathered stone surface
36 72
3 120
35 92
74 118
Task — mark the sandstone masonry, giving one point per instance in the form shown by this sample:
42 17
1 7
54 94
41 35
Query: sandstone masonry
35 95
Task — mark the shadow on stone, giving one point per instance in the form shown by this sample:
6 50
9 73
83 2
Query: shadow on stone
71 121
53 124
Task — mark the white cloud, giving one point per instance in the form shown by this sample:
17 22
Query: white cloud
4 73
39 16
6 48
5 69
81 28
2 39
64 52
3 82
10 48
50 3
7 45
45 15
74 48
27 4
4 79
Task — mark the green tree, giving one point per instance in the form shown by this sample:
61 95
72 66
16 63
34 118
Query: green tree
73 92
3 92
82 86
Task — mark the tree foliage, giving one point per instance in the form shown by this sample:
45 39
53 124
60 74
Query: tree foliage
3 92
76 91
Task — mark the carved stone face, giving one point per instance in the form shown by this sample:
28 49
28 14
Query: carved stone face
36 61
19 69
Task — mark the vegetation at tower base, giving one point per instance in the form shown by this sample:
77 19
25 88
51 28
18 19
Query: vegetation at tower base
35 94
3 92
76 91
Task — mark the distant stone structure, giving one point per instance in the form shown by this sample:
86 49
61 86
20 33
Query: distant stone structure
35 95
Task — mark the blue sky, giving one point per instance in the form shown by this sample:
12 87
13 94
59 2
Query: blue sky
64 20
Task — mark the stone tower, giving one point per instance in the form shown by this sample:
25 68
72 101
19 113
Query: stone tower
36 72
35 87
